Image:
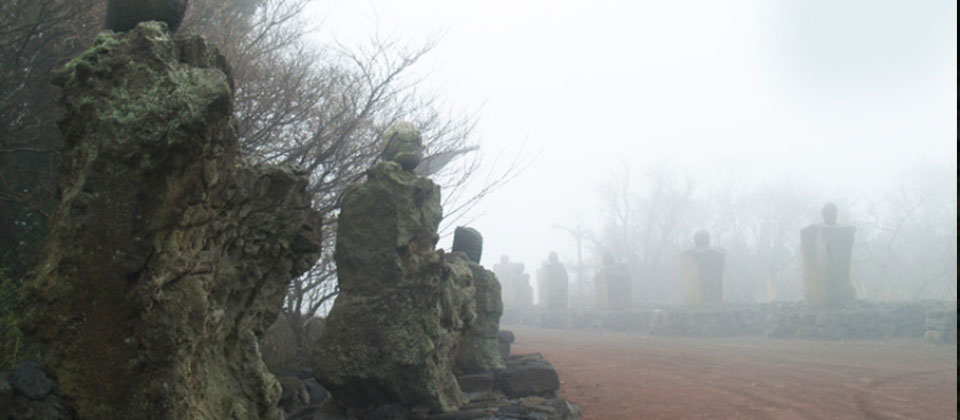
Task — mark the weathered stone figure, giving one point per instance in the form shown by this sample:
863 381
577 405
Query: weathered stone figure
480 348
404 145
468 241
166 257
613 285
703 272
827 251
124 15
521 285
517 292
505 273
556 283
393 334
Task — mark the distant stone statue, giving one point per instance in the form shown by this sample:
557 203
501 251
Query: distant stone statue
703 272
403 145
827 251
517 292
556 283
613 285
124 15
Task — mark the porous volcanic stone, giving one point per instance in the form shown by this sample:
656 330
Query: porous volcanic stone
393 332
30 381
527 375
167 256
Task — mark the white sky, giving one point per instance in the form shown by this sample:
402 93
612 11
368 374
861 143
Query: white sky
843 93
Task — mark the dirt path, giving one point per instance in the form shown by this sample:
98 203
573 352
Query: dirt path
629 376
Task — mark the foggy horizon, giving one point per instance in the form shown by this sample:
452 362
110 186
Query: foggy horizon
844 101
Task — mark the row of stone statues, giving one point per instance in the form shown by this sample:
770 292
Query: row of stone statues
826 248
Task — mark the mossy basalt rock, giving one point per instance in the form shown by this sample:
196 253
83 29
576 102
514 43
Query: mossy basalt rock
167 256
393 332
403 145
480 347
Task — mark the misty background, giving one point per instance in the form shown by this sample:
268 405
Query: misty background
640 123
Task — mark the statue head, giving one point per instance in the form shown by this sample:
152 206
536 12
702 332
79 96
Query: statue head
829 213
553 258
403 145
504 259
469 241
702 239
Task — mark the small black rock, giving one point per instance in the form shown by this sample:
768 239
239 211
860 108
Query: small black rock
30 381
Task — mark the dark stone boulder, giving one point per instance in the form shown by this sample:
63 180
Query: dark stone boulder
294 395
477 382
318 394
29 380
527 375
6 395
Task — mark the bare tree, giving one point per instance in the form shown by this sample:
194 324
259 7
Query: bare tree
319 107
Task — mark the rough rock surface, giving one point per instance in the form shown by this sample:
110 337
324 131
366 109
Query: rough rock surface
480 347
404 145
30 381
528 375
167 256
393 332
6 394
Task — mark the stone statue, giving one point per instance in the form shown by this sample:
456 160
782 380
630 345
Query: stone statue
504 272
613 285
556 283
827 251
404 145
167 257
703 272
124 15
468 241
517 292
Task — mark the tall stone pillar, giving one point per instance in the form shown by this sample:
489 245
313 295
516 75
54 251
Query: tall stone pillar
827 250
703 272
613 286
556 284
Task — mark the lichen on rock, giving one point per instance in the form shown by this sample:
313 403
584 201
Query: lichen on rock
166 257
393 333
480 347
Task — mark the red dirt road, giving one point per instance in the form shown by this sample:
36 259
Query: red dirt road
626 376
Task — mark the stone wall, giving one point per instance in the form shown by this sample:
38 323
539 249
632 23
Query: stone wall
935 320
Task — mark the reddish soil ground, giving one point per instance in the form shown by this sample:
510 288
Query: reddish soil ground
632 377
